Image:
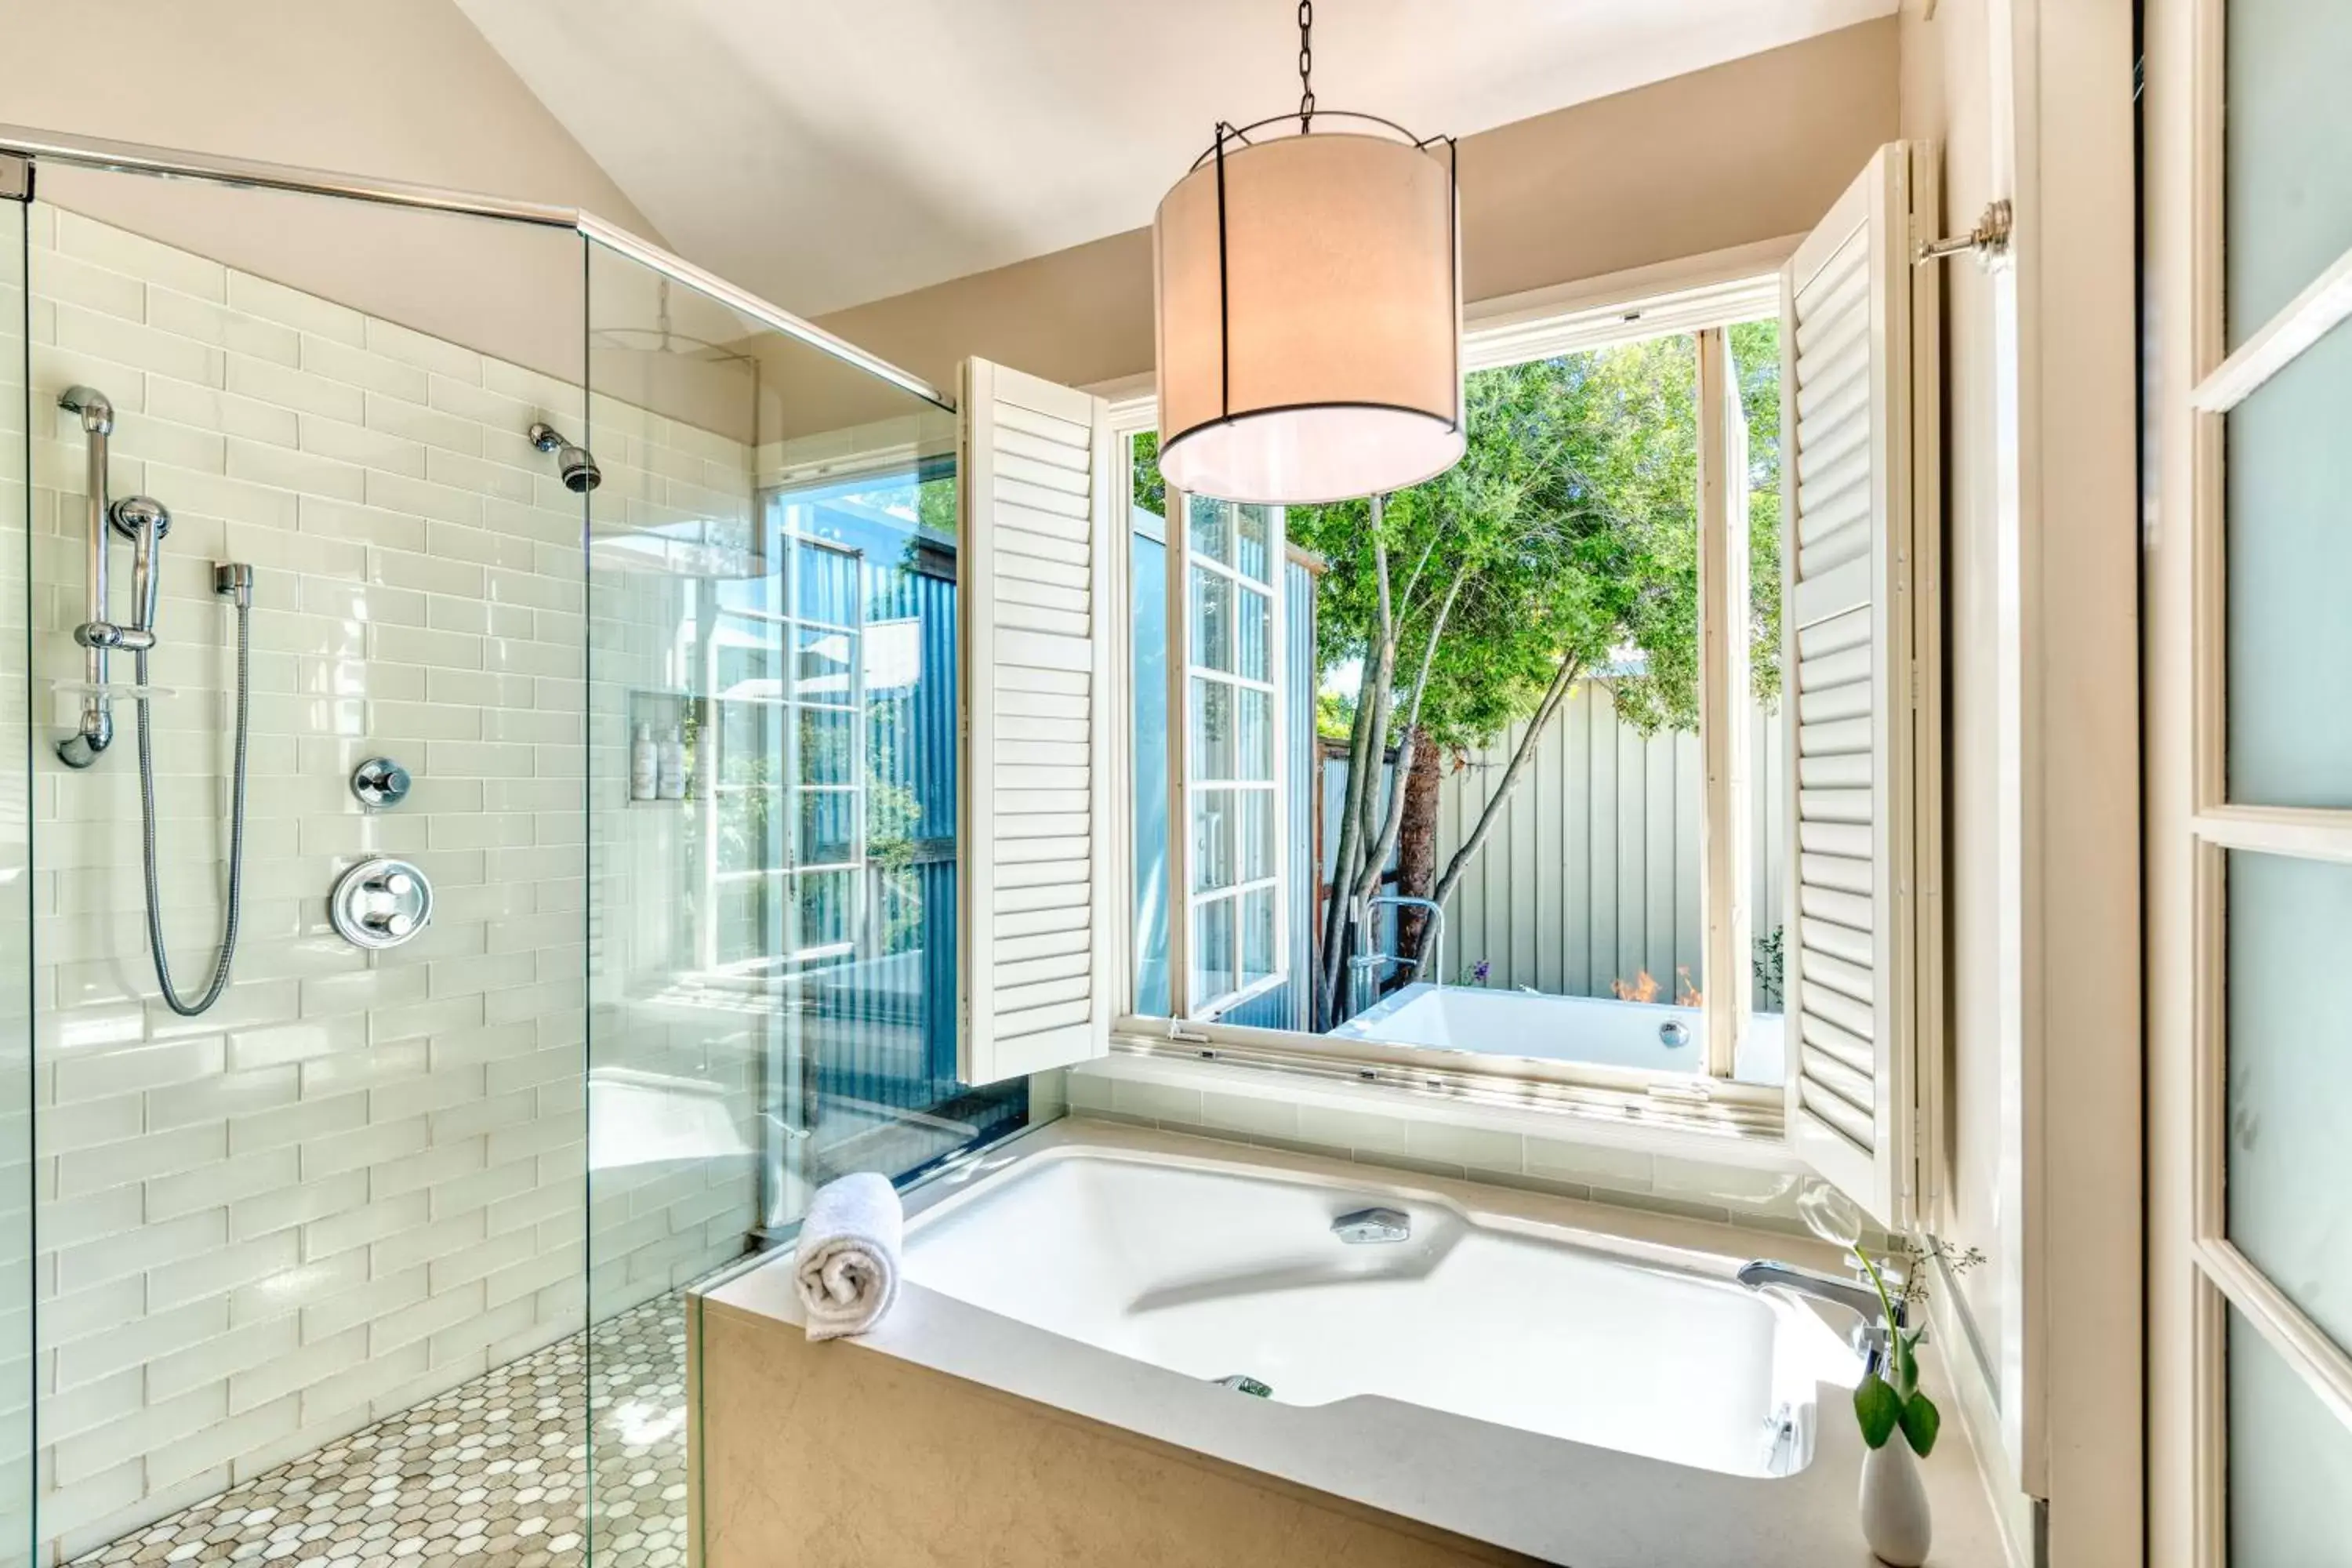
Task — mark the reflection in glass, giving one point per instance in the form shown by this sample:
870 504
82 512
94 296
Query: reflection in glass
1258 935
825 585
746 839
1213 840
2290 1464
751 740
1212 619
1253 623
1255 725
2289 552
1212 951
1212 529
828 739
828 826
748 658
2290 1078
1256 809
823 903
1213 752
2287 151
822 666
1254 530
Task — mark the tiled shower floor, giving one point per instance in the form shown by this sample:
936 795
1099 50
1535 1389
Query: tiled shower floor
490 1473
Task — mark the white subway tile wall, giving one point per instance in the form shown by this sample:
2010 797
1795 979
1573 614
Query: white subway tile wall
358 1181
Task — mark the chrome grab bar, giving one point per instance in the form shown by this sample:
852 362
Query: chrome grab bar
95 730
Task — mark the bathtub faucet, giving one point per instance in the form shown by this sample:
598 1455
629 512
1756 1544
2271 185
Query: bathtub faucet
1434 970
1853 1295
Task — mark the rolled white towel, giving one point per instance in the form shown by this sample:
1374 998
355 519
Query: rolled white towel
847 1265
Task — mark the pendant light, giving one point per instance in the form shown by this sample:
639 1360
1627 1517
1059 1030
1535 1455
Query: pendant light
1310 295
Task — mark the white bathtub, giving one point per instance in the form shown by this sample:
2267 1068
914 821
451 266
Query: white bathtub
1598 1029
1579 1385
1214 1270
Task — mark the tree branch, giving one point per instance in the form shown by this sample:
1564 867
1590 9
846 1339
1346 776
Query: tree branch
1520 756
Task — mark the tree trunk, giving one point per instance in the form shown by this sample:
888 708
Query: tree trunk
1417 855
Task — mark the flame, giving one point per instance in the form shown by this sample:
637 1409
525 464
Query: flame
1646 988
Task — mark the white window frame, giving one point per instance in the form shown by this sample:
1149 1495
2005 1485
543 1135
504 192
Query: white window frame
1686 1112
1184 787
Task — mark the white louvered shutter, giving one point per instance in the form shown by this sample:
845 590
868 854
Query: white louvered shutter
1848 609
1034 479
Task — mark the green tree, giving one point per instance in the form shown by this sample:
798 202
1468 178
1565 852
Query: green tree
1564 545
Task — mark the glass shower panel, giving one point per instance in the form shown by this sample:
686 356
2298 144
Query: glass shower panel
347 1197
16 1282
772 903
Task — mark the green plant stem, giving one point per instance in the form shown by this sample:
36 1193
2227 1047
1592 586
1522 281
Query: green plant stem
1894 1329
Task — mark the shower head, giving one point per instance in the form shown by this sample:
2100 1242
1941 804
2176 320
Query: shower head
97 413
573 464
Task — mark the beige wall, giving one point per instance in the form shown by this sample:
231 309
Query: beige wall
1946 78
1744 151
2031 99
407 92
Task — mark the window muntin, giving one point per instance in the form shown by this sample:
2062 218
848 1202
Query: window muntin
1228 799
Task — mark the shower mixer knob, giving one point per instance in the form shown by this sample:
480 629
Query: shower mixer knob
380 781
381 903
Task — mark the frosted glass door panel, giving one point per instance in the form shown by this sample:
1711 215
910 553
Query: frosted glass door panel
2290 584
2290 1078
2290 1464
2289 173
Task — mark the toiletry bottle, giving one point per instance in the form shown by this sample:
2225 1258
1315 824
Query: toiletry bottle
644 765
673 766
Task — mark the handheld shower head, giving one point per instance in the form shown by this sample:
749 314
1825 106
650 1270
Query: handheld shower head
575 465
143 520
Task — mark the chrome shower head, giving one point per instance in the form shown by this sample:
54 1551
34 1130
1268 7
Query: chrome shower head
573 464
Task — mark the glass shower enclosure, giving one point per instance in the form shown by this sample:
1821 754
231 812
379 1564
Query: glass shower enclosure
579 803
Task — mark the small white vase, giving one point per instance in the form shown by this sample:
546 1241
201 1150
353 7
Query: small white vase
1895 1518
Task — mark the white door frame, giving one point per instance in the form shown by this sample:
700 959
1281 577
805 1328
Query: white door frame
2196 1275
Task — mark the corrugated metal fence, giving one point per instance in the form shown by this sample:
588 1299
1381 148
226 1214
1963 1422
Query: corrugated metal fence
1592 873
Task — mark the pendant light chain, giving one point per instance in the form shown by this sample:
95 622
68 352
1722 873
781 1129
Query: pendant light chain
1306 64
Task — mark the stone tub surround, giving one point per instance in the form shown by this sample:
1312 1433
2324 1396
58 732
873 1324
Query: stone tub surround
1552 1500
360 1180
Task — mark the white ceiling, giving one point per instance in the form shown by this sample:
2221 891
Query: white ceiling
825 152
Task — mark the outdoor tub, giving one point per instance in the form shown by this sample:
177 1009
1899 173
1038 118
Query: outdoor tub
1597 1029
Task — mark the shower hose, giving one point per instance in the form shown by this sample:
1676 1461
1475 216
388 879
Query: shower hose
171 997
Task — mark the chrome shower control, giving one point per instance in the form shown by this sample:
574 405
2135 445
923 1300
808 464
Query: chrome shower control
380 781
1673 1034
381 903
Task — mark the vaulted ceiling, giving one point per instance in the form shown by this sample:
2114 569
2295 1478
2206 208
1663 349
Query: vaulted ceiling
825 152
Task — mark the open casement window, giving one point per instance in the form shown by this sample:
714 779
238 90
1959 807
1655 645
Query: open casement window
1226 752
1034 594
1858 631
